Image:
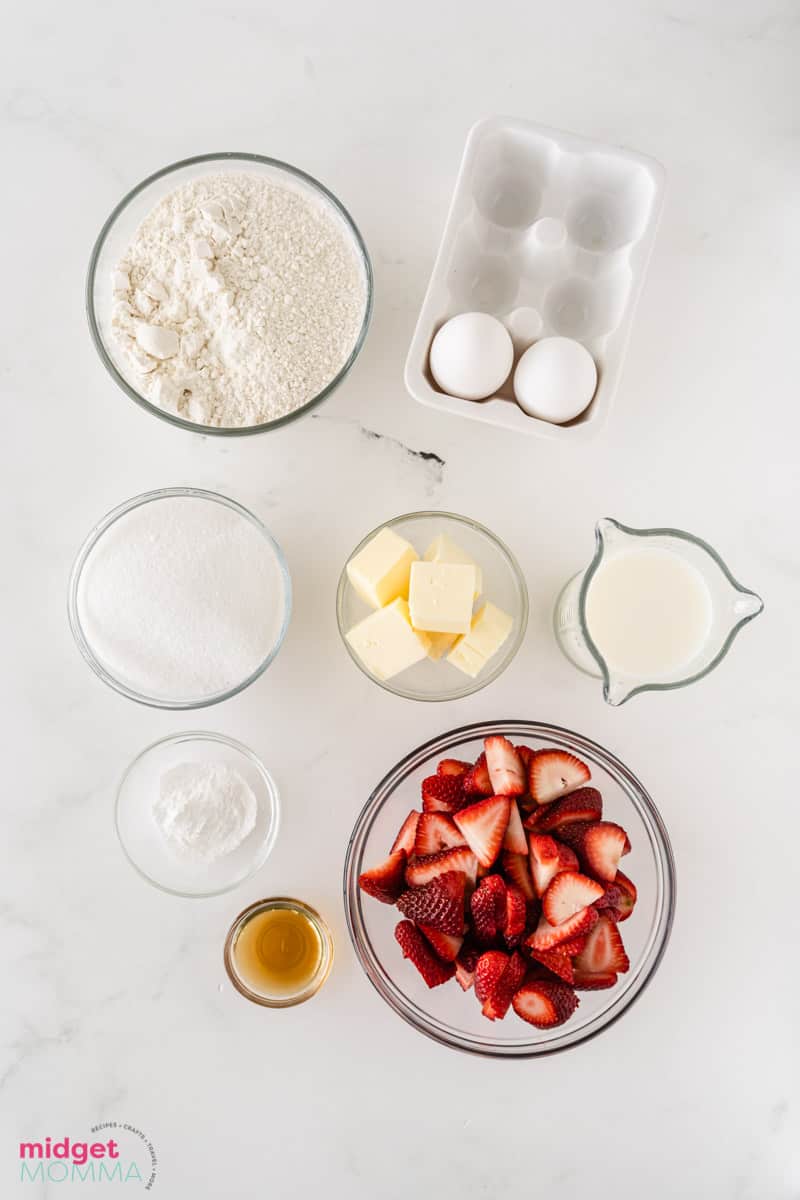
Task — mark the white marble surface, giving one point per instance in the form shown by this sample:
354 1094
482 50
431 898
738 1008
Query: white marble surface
113 1004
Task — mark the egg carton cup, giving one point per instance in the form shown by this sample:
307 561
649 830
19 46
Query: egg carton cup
551 233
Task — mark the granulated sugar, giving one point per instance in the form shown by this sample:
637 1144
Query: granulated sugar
182 598
239 299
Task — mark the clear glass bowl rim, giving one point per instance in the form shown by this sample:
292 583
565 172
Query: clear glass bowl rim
482 681
91 540
641 972
108 225
272 791
325 936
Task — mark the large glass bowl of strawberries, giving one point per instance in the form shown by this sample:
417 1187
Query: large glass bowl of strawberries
509 888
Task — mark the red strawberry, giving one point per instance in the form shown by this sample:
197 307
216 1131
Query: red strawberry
465 966
586 804
610 903
439 903
414 946
556 960
408 831
535 818
585 981
513 925
423 870
446 945
505 768
484 825
545 935
498 1002
545 860
568 894
604 951
574 945
476 780
386 881
488 972
488 907
442 793
545 1004
435 831
572 833
525 755
600 847
517 871
554 773
627 895
515 839
452 766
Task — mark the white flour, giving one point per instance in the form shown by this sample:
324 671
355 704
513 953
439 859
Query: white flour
238 300
204 810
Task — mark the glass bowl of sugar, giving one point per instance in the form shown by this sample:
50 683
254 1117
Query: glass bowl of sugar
179 598
197 814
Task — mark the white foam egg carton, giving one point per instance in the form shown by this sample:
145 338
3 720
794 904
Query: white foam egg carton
551 233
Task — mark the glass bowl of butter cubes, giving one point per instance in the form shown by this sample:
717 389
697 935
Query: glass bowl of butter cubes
432 606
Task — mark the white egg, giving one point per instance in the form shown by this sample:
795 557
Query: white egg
555 380
471 356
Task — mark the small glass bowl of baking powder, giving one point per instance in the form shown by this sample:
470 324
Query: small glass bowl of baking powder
142 838
121 228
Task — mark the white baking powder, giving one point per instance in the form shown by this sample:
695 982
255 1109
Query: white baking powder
238 300
204 810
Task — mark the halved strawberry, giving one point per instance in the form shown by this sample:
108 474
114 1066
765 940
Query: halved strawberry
556 960
525 755
627 895
476 780
568 893
498 1002
555 773
537 816
506 772
544 1003
488 971
484 825
585 981
515 915
466 963
439 903
488 908
574 945
453 766
517 871
442 793
435 831
600 846
414 946
446 945
408 831
545 860
545 935
386 881
604 950
610 903
515 839
586 804
423 870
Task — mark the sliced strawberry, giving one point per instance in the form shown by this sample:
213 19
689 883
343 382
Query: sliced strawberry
488 908
568 893
484 825
506 772
525 755
442 793
435 831
600 847
414 946
439 903
488 972
604 951
476 780
628 895
446 945
465 966
544 861
585 981
385 882
408 831
586 804
515 839
515 915
534 819
423 870
517 871
453 766
498 1002
545 935
545 1004
555 773
610 903
572 833
556 960
574 945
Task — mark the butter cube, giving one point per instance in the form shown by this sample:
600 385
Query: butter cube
490 628
385 641
444 549
440 597
380 572
440 643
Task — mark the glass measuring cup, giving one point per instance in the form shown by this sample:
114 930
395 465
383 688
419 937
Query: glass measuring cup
730 605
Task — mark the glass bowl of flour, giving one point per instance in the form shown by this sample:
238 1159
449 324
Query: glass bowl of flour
179 598
197 814
229 293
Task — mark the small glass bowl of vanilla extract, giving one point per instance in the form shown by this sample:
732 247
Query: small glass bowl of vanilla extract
278 952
